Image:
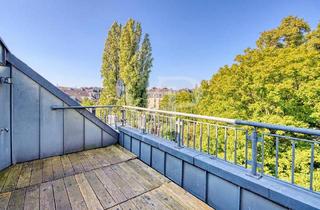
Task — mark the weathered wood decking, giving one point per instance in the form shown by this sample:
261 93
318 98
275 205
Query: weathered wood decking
105 178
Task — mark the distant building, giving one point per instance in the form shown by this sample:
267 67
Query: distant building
156 94
79 94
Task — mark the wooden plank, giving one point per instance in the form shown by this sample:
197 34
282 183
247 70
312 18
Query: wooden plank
168 199
150 177
87 192
32 198
145 202
60 195
130 180
102 194
153 172
57 168
87 166
101 158
76 163
90 157
4 200
117 207
120 155
25 175
3 177
47 173
75 196
129 205
135 175
110 156
12 178
125 151
36 175
67 166
123 185
113 189
46 196
17 199
184 197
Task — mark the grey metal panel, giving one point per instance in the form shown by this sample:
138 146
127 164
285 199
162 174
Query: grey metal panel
252 201
26 119
73 131
5 144
51 125
174 168
127 142
107 139
58 93
135 147
145 153
194 181
92 135
157 160
121 138
222 194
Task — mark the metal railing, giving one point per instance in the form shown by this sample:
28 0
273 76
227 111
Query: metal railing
287 153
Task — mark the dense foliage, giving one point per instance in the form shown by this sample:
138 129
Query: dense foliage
276 82
126 59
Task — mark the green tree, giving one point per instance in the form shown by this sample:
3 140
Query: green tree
128 60
110 65
144 67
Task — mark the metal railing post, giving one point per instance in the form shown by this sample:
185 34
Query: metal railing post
123 117
254 140
143 123
178 133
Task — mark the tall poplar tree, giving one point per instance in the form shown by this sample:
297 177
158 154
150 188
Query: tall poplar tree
128 60
144 66
110 65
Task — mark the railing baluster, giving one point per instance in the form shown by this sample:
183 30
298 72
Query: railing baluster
217 137
235 146
194 134
208 135
262 153
200 137
293 161
311 167
188 133
277 157
246 150
225 143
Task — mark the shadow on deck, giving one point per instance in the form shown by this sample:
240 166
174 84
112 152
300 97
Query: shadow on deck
105 178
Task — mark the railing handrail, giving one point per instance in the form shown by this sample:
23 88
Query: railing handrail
204 117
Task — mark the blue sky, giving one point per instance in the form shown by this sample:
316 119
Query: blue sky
63 40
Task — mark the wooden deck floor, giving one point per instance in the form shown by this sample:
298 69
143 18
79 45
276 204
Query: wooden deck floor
105 178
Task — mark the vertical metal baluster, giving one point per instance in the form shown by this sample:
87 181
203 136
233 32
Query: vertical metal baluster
225 143
194 134
208 135
311 166
277 157
262 161
154 124
246 150
170 119
188 133
293 161
167 127
235 145
162 126
182 132
159 127
201 137
217 137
